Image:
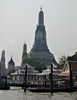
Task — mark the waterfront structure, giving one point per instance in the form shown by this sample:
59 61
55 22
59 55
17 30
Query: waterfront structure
45 75
11 66
3 71
18 76
33 76
40 49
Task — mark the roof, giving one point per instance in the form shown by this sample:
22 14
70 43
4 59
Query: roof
73 65
64 73
67 64
70 61
11 61
48 71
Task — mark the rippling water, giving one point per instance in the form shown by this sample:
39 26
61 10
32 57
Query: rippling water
18 94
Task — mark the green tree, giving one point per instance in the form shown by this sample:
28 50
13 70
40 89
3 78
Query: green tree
33 62
12 71
62 60
73 57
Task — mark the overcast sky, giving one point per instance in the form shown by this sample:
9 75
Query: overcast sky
18 20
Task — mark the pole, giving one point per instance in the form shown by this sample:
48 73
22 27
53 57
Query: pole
71 80
51 78
25 79
45 80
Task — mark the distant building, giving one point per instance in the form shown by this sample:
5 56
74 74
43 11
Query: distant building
45 75
18 76
3 71
40 49
24 54
11 66
33 76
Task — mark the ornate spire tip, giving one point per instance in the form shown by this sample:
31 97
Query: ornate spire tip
41 8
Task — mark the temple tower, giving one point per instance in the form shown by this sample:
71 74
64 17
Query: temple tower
24 54
3 67
11 66
40 49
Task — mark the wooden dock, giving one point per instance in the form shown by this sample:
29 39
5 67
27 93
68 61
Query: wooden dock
67 85
51 87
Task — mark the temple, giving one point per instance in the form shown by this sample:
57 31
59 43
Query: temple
40 49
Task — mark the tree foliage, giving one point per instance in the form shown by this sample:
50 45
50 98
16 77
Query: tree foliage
62 60
12 71
73 57
33 62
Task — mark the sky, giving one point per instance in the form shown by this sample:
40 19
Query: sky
18 20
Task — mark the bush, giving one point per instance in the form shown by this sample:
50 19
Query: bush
35 63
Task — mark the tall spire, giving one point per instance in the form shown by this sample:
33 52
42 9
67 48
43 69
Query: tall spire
3 54
3 58
41 18
40 49
41 8
24 54
3 67
25 47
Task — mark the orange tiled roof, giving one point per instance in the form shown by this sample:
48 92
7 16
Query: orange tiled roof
64 74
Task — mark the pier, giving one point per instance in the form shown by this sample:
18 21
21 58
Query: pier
53 85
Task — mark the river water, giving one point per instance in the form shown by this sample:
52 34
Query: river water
18 94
